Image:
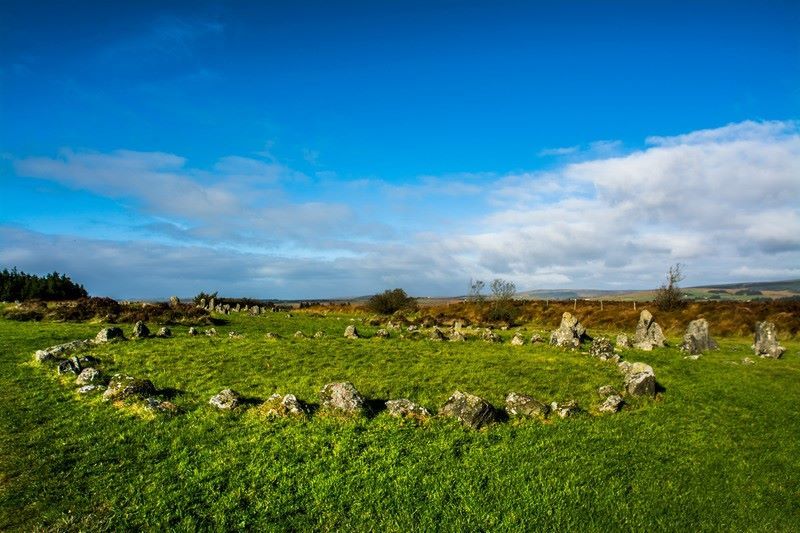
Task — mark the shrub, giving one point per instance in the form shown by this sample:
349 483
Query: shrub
391 301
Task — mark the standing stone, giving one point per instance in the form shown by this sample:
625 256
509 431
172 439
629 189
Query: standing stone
123 386
88 376
164 333
766 341
405 408
350 332
140 330
255 310
342 398
602 349
382 334
212 304
623 341
174 301
226 399
109 335
640 380
521 405
570 332
490 336
696 339
193 331
517 340
203 303
471 410
648 333
536 338
69 366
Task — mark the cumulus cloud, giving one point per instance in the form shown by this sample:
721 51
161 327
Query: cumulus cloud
724 201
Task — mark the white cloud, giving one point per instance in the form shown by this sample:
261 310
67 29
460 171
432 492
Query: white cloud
726 202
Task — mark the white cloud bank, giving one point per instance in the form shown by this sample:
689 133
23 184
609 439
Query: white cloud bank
724 201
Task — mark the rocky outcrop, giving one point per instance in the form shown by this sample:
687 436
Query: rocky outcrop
405 408
226 399
570 332
471 410
342 398
521 405
648 333
765 343
123 386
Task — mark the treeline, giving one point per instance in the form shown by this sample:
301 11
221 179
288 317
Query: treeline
17 285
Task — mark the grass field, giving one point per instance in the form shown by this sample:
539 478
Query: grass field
717 449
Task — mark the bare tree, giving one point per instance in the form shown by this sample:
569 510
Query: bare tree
669 296
476 287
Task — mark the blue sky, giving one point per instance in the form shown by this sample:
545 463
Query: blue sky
320 149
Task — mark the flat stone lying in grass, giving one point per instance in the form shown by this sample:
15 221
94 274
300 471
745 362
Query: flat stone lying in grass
405 408
648 333
210 332
226 399
319 334
86 389
88 376
350 332
640 380
109 335
612 404
272 336
299 335
471 410
570 332
564 409
161 406
342 398
696 340
123 386
765 343
521 405
61 350
282 406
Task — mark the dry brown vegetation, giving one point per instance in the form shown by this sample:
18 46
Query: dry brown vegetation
729 319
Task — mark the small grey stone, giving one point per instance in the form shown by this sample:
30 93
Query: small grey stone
405 408
226 399
521 405
612 404
471 410
342 398
350 332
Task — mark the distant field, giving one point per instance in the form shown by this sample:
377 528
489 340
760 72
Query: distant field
716 450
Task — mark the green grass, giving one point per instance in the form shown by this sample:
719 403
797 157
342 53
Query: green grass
717 450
